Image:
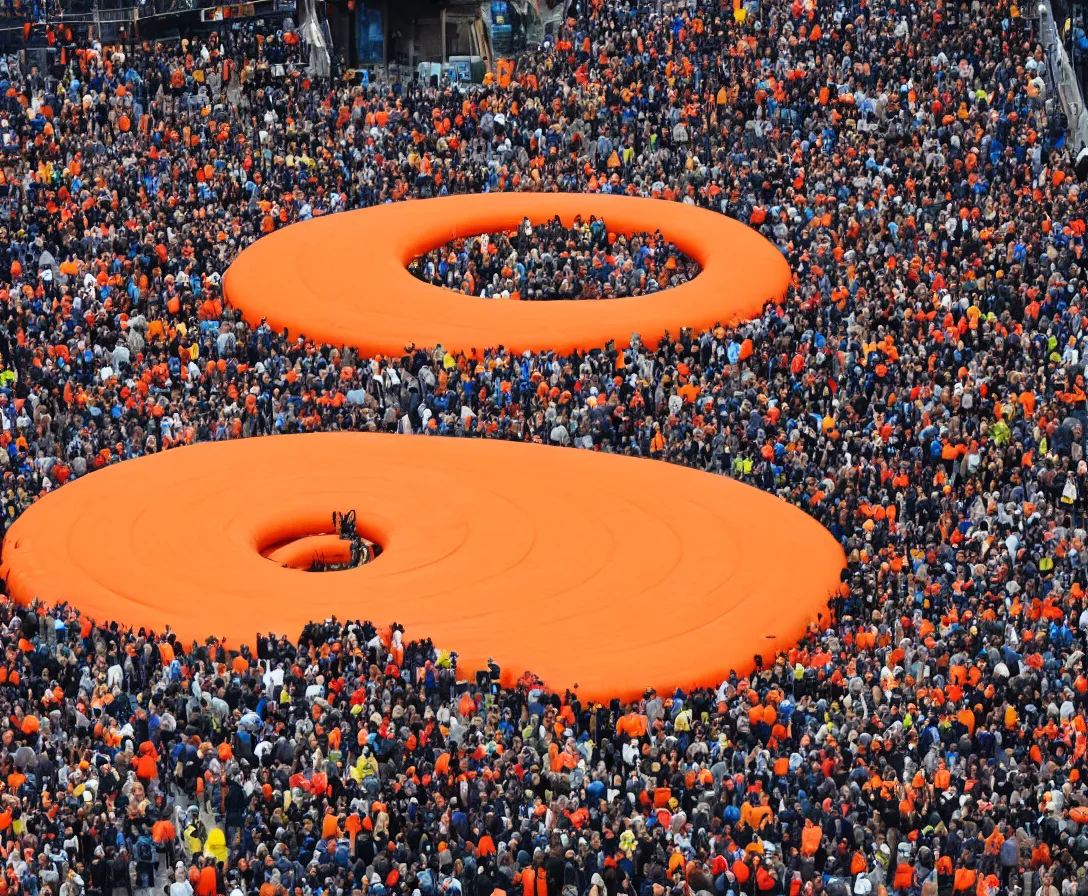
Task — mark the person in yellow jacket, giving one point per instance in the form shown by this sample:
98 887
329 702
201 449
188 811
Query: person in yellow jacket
194 837
365 771
216 845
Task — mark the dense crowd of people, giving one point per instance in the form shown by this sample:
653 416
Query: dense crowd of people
920 391
552 262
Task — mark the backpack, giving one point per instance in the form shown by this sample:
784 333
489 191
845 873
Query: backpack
145 849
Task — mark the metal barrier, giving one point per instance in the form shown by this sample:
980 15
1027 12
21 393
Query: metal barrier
116 15
1063 79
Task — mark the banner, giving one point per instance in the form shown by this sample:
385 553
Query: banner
234 11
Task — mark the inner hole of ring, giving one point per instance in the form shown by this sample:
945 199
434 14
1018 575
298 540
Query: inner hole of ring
552 261
338 546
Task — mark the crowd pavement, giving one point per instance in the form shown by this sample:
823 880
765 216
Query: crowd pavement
552 262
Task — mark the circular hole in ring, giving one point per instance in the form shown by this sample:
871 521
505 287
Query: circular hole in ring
554 262
340 545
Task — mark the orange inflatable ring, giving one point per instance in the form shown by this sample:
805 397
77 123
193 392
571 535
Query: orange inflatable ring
343 279
609 572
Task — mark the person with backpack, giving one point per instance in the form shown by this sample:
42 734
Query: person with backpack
234 806
143 851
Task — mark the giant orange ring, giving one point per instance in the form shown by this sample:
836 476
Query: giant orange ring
343 279
611 572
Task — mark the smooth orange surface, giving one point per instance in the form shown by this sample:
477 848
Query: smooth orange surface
343 279
611 572
300 553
